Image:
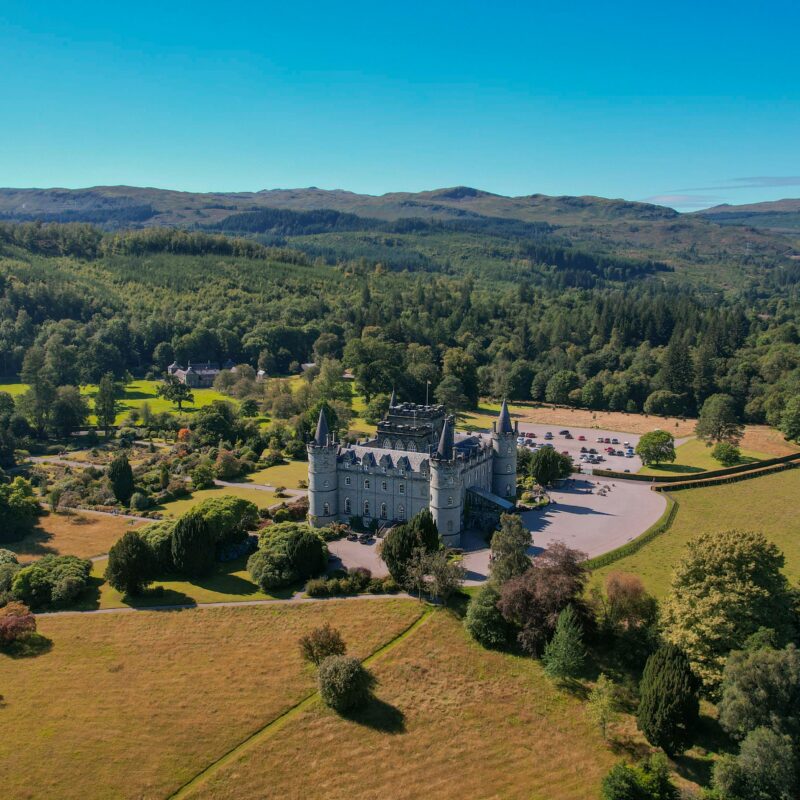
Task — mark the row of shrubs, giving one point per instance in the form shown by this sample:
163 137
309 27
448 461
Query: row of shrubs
756 471
353 581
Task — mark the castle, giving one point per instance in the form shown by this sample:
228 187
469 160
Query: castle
416 460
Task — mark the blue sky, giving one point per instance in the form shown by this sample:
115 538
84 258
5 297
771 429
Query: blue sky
689 104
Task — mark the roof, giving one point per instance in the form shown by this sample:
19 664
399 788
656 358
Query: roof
323 433
501 502
445 448
402 459
504 420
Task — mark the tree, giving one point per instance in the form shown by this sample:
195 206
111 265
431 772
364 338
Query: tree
399 544
16 621
376 409
761 688
664 403
533 602
602 704
202 476
719 421
726 587
483 620
105 402
726 453
656 447
510 545
433 573
175 391
120 475
320 643
69 411
676 371
790 419
559 387
344 684
669 706
458 363
193 546
765 769
249 408
450 393
564 654
548 466
130 564
648 780
287 553
19 509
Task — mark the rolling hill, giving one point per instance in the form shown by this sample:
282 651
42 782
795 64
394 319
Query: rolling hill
777 215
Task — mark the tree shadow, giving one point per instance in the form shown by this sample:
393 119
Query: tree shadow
30 646
378 715
159 596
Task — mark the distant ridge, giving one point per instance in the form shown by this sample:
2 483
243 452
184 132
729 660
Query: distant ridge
776 215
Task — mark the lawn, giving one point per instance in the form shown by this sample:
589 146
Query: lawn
230 581
287 475
693 456
261 498
767 504
15 388
133 705
71 533
449 719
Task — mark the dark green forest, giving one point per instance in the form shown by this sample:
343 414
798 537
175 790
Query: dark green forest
499 308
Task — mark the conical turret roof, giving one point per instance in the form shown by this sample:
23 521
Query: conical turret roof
322 435
445 448
393 399
504 420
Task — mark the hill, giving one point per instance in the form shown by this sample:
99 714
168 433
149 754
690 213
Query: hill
777 215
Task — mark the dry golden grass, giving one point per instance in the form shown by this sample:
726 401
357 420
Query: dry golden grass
73 534
132 705
767 440
451 720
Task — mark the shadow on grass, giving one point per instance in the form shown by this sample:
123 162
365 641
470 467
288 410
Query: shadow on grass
159 596
34 544
29 646
379 716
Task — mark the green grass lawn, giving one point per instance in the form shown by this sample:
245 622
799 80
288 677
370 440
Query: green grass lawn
229 582
287 475
694 456
768 504
15 388
175 508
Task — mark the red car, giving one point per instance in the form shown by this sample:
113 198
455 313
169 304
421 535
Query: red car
581 438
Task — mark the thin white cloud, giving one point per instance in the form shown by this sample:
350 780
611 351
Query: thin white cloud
683 200
758 182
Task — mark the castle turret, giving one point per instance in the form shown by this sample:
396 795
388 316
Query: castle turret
393 399
447 491
323 488
504 462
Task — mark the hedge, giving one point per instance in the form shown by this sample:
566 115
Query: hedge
722 479
712 473
661 525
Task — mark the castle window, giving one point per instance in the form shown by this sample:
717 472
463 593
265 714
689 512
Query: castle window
326 509
508 468
449 501
384 486
326 484
366 483
401 512
508 450
383 511
402 488
412 447
508 490
387 443
347 505
347 481
366 508
398 445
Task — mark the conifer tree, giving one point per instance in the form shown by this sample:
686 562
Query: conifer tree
668 705
564 654
121 476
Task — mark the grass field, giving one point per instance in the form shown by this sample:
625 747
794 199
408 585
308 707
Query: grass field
136 395
449 720
767 504
287 475
133 705
693 456
71 533
261 498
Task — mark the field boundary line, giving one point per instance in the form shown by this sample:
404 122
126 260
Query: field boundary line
278 722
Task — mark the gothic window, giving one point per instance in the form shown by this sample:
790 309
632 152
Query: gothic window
347 505
398 445
402 488
326 509
366 508
383 511
449 501
401 512
366 483
508 450
387 443
384 486
412 447
347 481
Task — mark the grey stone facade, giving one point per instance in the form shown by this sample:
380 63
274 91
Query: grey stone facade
415 461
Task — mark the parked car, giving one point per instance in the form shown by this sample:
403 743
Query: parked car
563 433
581 438
584 450
627 444
592 451
615 440
565 452
352 537
629 454
620 453
547 444
567 435
520 440
599 438
548 435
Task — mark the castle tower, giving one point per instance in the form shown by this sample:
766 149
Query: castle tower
323 488
504 462
446 502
